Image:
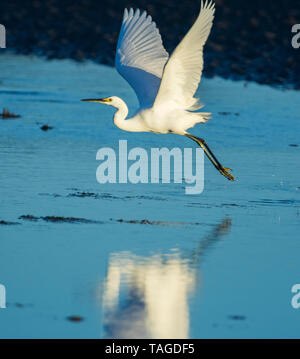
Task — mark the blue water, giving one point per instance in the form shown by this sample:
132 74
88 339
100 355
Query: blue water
220 264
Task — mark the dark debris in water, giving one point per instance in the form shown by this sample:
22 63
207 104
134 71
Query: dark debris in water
224 113
75 220
154 223
7 223
93 195
293 145
46 128
59 219
75 318
237 317
7 114
56 219
232 205
29 217
84 194
109 196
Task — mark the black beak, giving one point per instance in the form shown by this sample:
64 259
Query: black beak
101 100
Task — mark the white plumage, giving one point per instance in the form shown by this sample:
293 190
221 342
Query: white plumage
140 55
165 86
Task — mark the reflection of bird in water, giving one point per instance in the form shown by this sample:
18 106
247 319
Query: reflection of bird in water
165 86
147 297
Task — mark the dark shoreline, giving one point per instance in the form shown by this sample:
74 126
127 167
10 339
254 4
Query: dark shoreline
250 40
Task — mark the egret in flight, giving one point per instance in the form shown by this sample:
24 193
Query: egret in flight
165 86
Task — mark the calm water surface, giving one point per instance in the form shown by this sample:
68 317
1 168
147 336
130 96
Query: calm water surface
216 265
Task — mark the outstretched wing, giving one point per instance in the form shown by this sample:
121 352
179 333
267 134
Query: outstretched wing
183 71
140 55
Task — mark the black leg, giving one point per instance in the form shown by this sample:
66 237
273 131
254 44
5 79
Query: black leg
223 170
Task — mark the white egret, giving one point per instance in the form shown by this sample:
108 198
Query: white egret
165 86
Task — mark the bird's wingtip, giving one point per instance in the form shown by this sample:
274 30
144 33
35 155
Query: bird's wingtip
207 4
130 14
125 15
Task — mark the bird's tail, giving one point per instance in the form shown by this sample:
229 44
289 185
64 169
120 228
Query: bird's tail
196 117
205 116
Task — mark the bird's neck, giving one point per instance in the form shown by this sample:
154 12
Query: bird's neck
120 115
132 125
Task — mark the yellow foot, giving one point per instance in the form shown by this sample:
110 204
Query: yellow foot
224 172
227 169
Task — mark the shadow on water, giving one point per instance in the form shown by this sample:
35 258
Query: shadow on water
147 297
